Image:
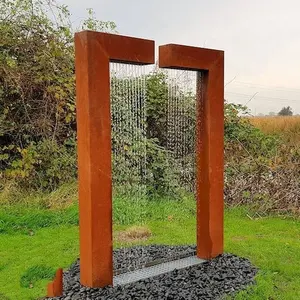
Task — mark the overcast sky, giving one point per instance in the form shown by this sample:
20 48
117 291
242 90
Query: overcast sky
261 40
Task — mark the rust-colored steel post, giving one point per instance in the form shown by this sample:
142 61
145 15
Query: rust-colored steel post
209 140
94 51
55 287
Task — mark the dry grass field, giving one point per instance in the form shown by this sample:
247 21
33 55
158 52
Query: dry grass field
286 126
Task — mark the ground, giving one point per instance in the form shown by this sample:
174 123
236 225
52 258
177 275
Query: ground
34 242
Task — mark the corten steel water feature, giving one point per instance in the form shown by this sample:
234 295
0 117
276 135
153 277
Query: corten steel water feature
209 140
55 288
93 52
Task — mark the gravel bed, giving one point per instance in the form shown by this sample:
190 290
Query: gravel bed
213 279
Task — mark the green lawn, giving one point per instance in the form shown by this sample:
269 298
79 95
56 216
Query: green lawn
34 242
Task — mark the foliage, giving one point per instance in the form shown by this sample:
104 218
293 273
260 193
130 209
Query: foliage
91 23
37 87
286 111
143 154
261 169
157 101
140 158
162 174
239 131
164 166
38 124
44 165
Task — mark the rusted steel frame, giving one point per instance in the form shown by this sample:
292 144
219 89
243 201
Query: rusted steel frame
55 288
209 139
93 52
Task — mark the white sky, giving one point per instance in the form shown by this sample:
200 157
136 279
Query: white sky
261 40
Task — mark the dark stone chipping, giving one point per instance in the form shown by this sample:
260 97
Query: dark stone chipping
225 274
129 259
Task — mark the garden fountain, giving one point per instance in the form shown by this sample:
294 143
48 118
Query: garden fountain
112 84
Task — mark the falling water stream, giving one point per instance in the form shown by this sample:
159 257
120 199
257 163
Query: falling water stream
153 118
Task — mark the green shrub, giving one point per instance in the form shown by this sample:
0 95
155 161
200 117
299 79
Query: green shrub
44 165
37 91
239 132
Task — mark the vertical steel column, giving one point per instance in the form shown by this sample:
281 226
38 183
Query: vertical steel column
209 140
94 51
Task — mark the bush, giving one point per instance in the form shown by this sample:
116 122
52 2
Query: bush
44 165
37 91
240 132
261 170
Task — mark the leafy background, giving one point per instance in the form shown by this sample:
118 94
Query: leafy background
38 121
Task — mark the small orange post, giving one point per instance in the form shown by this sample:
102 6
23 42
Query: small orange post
93 52
55 288
209 140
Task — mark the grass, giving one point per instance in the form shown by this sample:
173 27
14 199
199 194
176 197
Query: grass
287 127
133 234
36 241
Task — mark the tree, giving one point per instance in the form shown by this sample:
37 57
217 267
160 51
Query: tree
286 111
37 80
37 83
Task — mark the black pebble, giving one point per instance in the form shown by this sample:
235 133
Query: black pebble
225 274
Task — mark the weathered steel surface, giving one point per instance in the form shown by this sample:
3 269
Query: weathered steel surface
210 140
174 56
55 288
94 51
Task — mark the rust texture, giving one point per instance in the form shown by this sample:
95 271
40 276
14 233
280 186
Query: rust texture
93 52
55 288
210 140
